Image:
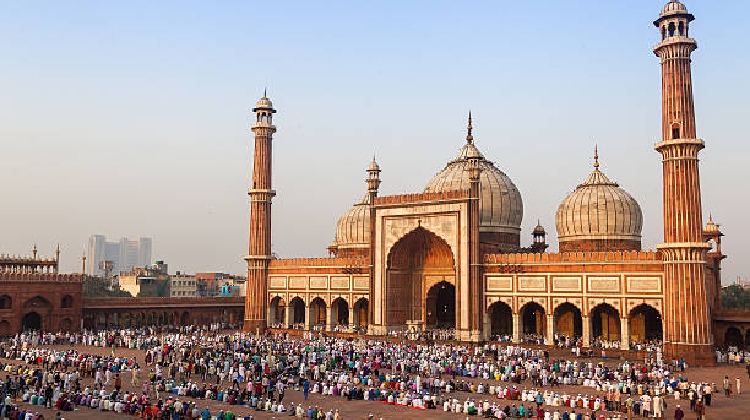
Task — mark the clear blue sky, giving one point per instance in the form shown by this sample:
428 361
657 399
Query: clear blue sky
131 118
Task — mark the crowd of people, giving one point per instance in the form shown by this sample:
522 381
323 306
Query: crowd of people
177 372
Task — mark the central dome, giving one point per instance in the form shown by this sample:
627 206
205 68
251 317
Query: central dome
500 204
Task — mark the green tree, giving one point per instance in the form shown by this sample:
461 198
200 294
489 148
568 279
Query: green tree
735 297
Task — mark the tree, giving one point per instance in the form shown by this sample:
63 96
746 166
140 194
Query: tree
735 297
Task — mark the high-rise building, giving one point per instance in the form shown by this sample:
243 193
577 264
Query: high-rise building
106 257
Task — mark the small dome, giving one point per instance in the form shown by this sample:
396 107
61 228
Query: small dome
672 8
263 103
500 204
601 213
353 228
539 230
373 166
711 226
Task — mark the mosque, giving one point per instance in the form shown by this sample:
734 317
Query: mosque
452 255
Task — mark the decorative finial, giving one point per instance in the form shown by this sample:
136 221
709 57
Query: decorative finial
469 137
596 157
264 92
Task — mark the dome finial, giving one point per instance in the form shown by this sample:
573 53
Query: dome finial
596 157
469 137
264 92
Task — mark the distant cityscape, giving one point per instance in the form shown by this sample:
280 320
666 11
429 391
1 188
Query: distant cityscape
125 267
105 258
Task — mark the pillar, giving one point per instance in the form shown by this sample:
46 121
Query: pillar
330 320
486 326
624 334
352 316
289 315
586 331
517 328
550 330
308 317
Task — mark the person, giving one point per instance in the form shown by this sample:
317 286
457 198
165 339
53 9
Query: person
726 386
205 414
678 413
737 385
306 388
700 410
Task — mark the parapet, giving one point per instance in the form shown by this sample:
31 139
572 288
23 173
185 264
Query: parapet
42 277
320 262
573 257
422 197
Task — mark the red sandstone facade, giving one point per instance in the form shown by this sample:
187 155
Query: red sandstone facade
450 257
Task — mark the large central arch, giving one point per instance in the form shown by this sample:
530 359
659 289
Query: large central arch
413 264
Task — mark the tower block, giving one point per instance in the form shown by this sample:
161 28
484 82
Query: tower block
687 317
261 194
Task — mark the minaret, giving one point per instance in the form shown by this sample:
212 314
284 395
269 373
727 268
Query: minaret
57 259
259 249
83 262
373 184
475 326
686 312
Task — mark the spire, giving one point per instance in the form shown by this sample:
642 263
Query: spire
469 137
596 157
264 92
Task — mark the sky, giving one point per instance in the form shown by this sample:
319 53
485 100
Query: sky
132 118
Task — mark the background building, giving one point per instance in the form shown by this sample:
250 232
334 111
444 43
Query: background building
110 258
183 285
150 281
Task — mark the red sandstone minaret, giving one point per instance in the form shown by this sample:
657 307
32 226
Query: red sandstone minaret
477 297
259 250
687 320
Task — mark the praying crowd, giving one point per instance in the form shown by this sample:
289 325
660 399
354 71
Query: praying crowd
178 372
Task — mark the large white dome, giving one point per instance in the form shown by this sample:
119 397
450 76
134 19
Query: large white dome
599 215
353 228
500 204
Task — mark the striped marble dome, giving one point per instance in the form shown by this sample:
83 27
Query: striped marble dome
353 228
500 204
599 209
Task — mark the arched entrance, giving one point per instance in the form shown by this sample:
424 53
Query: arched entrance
605 323
733 337
298 311
361 308
318 312
568 320
32 321
277 309
185 319
440 306
645 324
414 258
340 310
501 319
533 320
